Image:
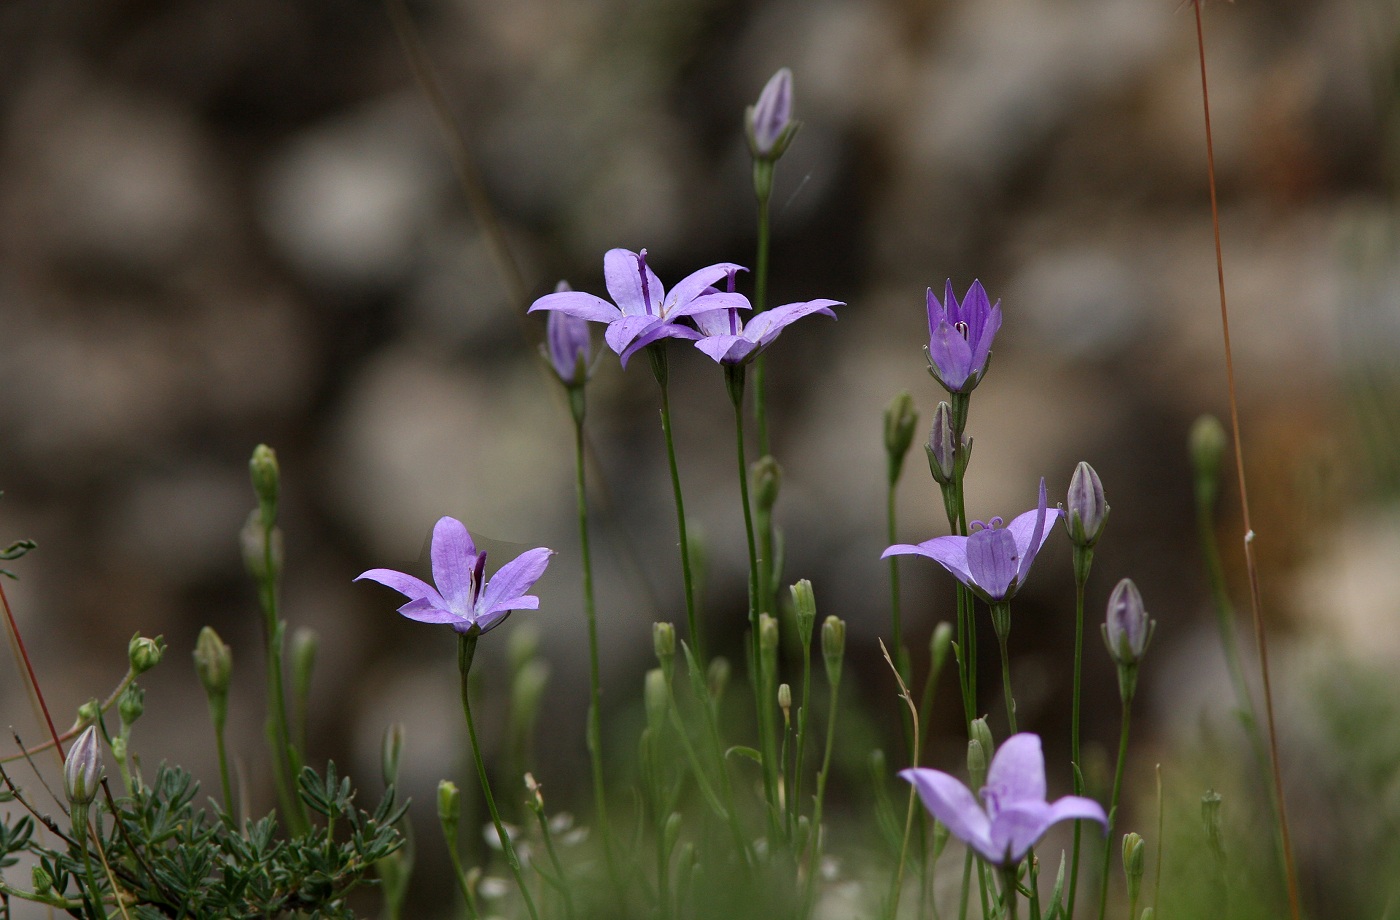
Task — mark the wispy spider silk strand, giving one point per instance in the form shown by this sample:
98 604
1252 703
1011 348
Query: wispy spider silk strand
466 651
656 352
1261 640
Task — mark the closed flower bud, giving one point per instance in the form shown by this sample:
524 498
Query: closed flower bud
663 642
769 123
942 446
900 420
804 606
88 712
717 677
976 762
1134 863
1207 442
449 803
213 662
767 633
1086 511
131 705
657 696
266 476
1126 630
82 769
980 735
144 653
833 647
767 482
567 345
43 882
784 698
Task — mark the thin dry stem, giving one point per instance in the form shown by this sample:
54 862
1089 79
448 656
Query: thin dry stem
31 678
1256 606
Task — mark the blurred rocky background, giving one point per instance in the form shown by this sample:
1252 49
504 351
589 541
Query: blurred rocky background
239 222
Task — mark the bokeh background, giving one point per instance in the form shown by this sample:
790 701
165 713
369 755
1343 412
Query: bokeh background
240 222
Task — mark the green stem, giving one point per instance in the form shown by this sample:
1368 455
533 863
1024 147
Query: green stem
1079 582
760 303
224 785
1001 620
1113 804
966 885
595 729
901 654
559 882
466 650
814 862
657 353
278 737
80 828
1008 879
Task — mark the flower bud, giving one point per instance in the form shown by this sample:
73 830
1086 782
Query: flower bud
657 697
567 345
1126 630
767 482
900 419
391 753
43 882
663 642
767 633
976 763
213 662
1134 864
717 677
82 768
1086 511
980 734
1207 444
938 645
784 698
131 705
449 804
833 647
266 476
942 446
254 544
769 123
88 712
804 607
143 653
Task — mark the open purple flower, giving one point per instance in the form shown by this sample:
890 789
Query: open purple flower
960 336
642 310
729 340
1013 813
994 561
462 596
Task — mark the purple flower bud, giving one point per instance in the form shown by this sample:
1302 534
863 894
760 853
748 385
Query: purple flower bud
770 122
1086 511
82 768
1126 630
568 346
942 446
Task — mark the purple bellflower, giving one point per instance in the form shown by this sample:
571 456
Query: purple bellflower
462 596
770 125
567 345
729 340
960 336
1013 813
994 561
642 310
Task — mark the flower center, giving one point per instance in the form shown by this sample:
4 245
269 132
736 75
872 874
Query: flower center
961 327
992 524
646 289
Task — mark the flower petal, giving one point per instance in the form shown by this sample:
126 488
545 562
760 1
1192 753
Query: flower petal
982 342
490 621
410 587
949 552
693 285
1017 772
951 356
506 589
991 558
1077 808
727 349
701 303
948 800
764 327
1031 530
623 332
622 273
454 563
1015 830
655 333
424 610
577 303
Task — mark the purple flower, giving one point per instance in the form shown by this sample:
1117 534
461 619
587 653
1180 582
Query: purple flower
729 341
770 124
994 560
1013 813
1086 509
960 337
462 596
567 345
642 311
82 768
1127 628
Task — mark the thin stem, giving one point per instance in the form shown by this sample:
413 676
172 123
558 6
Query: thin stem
1256 605
657 354
78 726
466 649
1113 805
966 885
1001 619
225 786
1074 726
595 729
275 729
1161 845
814 862
1009 889
29 670
901 654
760 303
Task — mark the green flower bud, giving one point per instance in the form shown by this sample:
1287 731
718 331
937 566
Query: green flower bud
131 705
717 677
981 733
938 645
900 421
663 642
449 804
767 482
976 763
391 753
804 607
213 662
144 653
262 468
43 882
784 698
82 768
88 712
767 633
833 647
656 694
1207 442
1134 864
253 538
